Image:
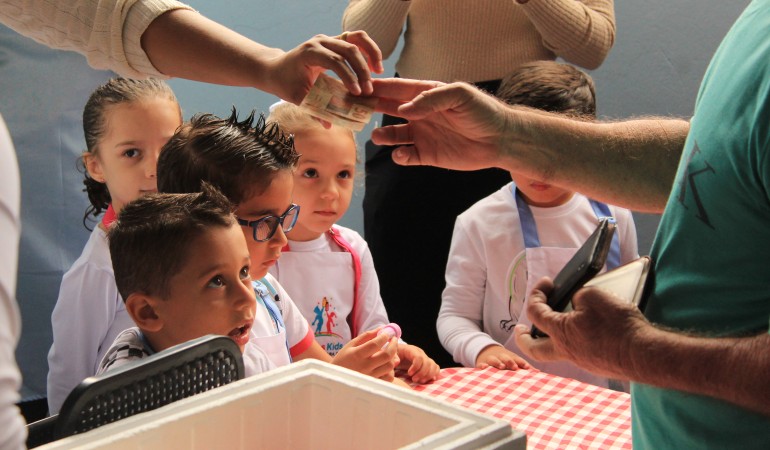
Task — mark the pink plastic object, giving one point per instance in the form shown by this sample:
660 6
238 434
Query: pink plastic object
392 330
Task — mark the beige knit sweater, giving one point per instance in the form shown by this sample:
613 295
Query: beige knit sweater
107 32
478 40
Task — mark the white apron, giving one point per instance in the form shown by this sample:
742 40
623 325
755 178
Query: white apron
269 331
323 285
548 261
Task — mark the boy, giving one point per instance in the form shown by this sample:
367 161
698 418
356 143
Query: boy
182 266
541 225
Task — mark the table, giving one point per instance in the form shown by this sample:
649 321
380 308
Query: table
554 412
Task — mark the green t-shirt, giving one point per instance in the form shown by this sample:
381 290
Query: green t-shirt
712 250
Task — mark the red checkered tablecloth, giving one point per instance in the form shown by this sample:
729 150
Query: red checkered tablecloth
554 412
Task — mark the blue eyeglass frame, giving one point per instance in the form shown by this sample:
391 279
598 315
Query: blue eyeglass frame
254 224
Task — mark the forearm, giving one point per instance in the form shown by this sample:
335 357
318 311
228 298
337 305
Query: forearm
315 351
185 44
462 337
630 164
582 32
383 20
461 316
731 369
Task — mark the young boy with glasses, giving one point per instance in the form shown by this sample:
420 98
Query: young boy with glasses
252 165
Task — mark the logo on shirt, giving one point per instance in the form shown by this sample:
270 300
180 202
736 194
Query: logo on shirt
325 319
517 285
688 180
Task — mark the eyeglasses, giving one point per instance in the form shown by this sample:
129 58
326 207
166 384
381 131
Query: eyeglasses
264 229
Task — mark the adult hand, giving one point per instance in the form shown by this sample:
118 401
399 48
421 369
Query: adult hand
596 335
501 358
352 56
455 126
365 354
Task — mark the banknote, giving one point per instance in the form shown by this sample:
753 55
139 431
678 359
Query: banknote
329 100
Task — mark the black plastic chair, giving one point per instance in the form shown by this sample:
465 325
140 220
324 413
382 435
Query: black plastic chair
178 372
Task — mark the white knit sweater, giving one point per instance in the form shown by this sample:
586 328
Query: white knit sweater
461 40
107 32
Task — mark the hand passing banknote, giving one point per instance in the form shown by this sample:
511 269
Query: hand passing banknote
329 100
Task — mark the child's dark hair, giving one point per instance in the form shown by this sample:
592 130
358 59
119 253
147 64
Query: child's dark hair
115 92
150 240
550 86
240 158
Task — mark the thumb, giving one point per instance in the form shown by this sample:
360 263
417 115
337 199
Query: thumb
441 98
406 156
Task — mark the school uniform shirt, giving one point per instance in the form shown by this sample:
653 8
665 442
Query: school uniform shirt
88 316
319 275
130 345
282 337
486 274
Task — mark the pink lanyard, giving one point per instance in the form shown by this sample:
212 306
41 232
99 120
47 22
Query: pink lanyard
345 245
109 217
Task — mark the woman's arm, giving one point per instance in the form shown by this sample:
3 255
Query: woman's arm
184 44
582 32
106 32
383 20
139 38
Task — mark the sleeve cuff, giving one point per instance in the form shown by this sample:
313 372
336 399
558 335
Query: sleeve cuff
303 345
138 19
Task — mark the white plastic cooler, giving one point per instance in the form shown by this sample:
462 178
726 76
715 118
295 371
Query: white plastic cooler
306 405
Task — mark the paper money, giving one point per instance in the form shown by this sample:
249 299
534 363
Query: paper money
329 100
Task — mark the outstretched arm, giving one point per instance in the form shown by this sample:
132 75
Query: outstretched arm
610 337
456 126
182 43
141 38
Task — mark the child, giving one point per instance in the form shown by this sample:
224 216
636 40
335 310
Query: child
252 166
326 268
506 242
126 123
182 266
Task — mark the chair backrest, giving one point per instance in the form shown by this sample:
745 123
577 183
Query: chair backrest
173 374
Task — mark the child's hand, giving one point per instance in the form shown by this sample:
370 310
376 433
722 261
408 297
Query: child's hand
500 357
365 354
420 368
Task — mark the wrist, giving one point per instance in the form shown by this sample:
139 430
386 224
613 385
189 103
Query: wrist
267 73
518 140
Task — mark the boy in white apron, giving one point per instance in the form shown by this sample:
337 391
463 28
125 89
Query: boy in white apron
529 229
327 268
181 265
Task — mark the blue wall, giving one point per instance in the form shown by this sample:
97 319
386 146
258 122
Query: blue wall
661 52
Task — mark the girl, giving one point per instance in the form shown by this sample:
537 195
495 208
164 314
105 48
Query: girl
126 123
339 298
